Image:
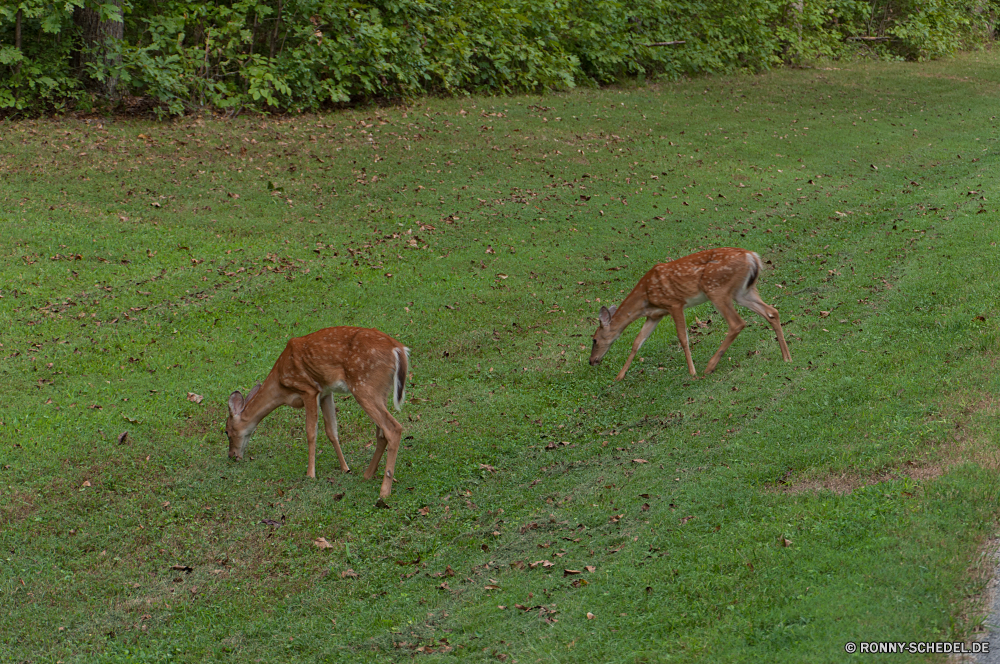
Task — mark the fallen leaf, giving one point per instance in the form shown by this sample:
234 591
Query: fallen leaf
271 522
195 398
492 586
686 519
85 483
639 461
322 543
543 563
444 586
486 466
187 569
568 572
424 511
348 574
786 542
122 437
590 616
589 568
824 314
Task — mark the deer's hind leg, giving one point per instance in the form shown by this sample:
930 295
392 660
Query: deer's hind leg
750 299
736 324
388 432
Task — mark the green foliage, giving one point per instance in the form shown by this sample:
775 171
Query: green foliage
304 54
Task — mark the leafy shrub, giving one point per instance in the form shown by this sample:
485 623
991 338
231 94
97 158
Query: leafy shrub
304 54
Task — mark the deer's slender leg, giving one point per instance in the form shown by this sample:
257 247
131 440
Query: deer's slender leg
311 402
647 329
391 432
380 443
682 336
751 300
735 323
330 424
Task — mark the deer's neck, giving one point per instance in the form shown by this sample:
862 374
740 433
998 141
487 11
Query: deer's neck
260 404
632 308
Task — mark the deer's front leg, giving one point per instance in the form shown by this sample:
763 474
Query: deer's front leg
330 424
682 335
311 402
647 329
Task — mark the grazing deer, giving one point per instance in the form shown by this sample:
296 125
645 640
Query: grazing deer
364 362
721 275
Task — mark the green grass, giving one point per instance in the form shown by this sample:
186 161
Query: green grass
142 262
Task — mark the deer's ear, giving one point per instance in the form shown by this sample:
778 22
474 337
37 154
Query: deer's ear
605 317
254 391
235 403
613 309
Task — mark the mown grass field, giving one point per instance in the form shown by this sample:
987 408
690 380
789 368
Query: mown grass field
767 512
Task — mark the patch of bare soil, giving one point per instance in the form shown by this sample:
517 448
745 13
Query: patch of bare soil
845 483
969 441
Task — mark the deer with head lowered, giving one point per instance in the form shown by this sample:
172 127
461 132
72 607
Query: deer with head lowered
363 362
723 275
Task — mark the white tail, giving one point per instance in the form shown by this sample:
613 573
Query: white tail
399 378
721 275
360 361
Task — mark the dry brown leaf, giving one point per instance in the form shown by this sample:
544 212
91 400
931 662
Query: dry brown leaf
194 398
590 616
348 574
322 543
639 461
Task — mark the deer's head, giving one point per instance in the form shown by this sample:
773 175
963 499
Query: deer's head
603 337
237 431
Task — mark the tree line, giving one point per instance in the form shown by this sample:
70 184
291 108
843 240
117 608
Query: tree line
299 55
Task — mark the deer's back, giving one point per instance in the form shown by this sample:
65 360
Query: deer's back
338 359
694 277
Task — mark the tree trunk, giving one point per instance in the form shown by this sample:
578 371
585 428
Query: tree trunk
17 38
98 46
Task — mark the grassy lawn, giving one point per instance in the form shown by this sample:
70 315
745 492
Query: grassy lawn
767 512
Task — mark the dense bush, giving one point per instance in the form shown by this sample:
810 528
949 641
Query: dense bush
303 54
